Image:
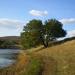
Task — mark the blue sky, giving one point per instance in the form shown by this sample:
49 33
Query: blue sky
14 14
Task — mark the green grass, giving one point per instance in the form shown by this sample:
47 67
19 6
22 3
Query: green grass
34 67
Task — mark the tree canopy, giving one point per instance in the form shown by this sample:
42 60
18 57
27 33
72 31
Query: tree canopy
35 32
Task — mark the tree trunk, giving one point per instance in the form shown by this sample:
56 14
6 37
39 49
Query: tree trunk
43 42
47 43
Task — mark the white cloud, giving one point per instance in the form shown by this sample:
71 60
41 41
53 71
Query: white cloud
71 33
10 23
38 13
68 21
9 27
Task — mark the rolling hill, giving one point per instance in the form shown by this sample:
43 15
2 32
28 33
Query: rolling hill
58 59
55 60
10 38
10 42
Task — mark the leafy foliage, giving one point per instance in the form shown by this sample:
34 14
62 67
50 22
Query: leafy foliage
8 44
31 34
36 33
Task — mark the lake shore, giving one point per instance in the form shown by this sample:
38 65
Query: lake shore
17 67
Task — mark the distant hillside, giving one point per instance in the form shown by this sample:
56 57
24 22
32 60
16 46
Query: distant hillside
10 38
10 42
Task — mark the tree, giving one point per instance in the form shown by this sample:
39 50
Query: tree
30 37
35 32
53 30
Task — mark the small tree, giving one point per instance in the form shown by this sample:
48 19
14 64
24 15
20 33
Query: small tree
35 32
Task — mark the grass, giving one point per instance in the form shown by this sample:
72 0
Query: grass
63 57
25 65
34 67
55 60
59 59
18 67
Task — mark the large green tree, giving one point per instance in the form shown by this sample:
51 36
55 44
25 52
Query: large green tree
35 32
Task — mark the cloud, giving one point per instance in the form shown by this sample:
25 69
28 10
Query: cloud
10 23
68 21
38 13
71 33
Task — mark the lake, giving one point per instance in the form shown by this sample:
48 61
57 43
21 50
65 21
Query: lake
7 57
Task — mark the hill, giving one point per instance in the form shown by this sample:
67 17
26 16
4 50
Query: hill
58 59
9 42
54 60
10 38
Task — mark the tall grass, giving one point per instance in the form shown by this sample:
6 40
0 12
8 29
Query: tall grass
34 67
64 59
16 68
55 60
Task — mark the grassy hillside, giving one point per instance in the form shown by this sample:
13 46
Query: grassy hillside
55 60
59 59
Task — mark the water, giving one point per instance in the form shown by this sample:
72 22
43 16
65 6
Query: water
7 57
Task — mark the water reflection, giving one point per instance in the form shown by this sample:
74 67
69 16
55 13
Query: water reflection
7 57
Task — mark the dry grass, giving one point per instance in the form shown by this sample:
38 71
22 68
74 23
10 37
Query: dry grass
18 67
57 60
60 59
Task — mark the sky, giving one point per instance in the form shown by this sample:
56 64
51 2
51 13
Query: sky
14 14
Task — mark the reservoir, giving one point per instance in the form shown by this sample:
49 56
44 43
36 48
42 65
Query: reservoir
8 57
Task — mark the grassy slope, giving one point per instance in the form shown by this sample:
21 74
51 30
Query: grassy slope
57 60
60 59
